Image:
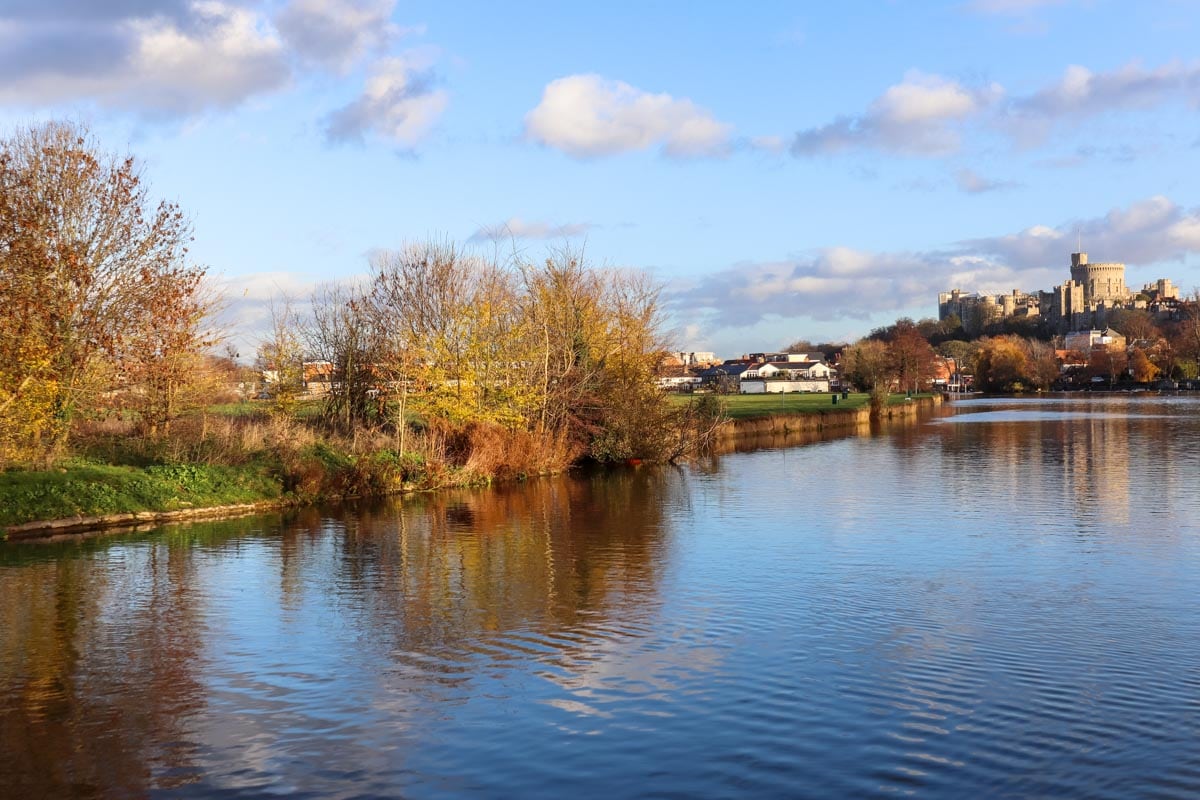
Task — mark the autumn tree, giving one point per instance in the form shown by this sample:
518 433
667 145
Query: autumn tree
1042 368
83 252
632 419
1144 370
162 360
1136 324
453 322
1002 364
1187 336
280 358
563 305
342 332
912 358
1109 362
870 367
963 353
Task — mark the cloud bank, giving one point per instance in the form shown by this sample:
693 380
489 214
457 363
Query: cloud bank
160 59
843 283
174 59
926 115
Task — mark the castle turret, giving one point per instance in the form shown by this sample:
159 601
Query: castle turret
1100 281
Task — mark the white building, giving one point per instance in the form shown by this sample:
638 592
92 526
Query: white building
783 386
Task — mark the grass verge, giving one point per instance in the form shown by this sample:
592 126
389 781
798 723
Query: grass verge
90 489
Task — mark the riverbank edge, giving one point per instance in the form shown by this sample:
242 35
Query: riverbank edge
129 521
805 421
824 419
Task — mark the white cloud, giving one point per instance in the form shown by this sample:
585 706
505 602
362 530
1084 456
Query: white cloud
1185 233
517 228
588 116
337 33
923 99
206 54
921 115
399 103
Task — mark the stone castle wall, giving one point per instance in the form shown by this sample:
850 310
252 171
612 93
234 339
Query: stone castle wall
1101 281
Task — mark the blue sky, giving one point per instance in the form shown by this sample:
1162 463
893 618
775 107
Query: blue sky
787 170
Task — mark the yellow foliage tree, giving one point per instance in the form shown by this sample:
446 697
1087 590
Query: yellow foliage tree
1144 370
28 398
1003 364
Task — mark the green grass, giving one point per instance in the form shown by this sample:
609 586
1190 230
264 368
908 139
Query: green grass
748 406
83 488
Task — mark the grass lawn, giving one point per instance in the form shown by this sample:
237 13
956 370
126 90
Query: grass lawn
84 488
746 406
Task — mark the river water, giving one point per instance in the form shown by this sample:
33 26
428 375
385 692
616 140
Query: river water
1000 601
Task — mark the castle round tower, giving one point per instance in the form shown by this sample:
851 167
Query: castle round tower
1101 281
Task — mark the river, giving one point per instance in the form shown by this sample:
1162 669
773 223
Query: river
998 600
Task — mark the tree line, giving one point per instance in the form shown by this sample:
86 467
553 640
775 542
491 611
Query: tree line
1022 355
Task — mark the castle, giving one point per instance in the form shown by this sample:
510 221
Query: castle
1081 303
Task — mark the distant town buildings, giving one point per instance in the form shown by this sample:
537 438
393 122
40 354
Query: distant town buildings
754 373
1083 302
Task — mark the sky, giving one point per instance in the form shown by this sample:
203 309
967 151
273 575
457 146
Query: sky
786 170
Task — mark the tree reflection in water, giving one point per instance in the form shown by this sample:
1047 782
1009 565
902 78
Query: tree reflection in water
106 644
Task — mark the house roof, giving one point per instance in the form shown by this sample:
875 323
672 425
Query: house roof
734 370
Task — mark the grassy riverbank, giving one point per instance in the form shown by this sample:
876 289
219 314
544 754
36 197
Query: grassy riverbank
751 406
240 455
84 489
80 488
